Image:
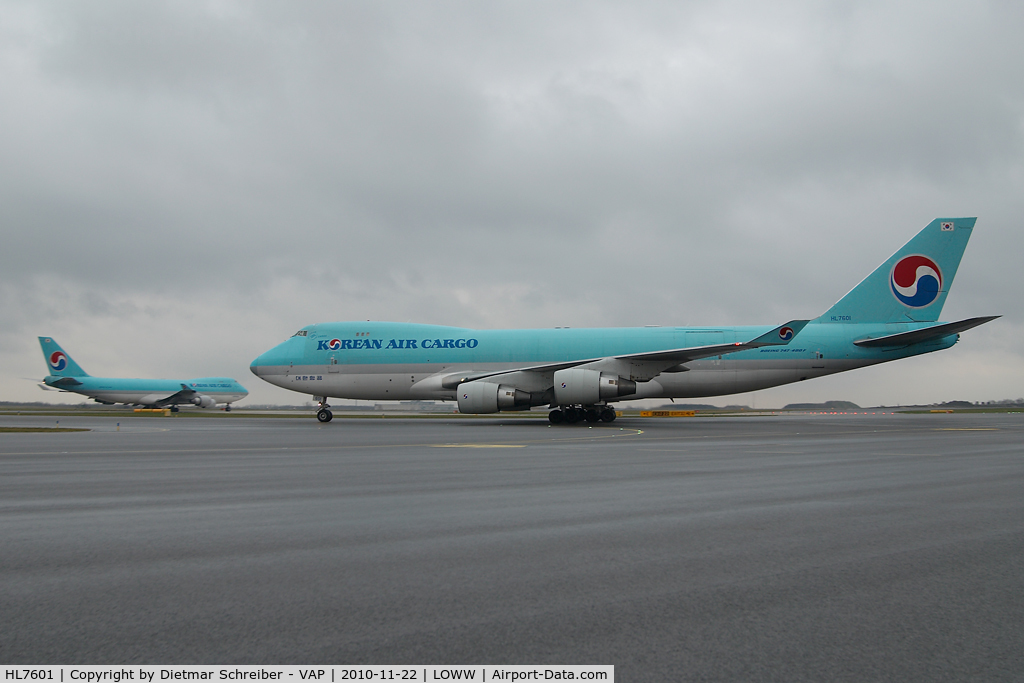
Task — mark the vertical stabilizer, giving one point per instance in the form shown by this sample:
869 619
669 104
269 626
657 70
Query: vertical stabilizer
911 286
58 362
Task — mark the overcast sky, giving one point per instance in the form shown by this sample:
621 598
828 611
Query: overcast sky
185 184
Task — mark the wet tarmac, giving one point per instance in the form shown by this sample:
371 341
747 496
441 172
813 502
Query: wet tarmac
790 547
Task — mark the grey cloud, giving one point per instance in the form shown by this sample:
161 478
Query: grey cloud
504 164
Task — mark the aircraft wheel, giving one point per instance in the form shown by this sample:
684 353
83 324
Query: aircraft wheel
556 417
324 415
174 409
607 415
572 416
227 408
591 415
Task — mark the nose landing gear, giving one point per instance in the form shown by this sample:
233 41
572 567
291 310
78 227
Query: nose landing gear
324 413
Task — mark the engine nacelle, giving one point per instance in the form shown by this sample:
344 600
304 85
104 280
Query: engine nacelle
487 397
587 387
204 401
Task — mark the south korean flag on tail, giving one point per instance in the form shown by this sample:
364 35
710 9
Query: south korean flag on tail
947 226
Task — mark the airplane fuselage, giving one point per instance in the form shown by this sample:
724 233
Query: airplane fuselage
401 361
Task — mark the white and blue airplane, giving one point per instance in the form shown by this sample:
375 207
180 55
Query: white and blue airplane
67 375
579 373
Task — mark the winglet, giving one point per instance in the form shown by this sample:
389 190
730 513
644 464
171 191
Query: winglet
780 336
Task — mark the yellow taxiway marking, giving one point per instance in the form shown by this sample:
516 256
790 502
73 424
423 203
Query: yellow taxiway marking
478 445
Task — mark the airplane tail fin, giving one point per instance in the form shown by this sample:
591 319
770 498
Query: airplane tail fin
58 362
912 285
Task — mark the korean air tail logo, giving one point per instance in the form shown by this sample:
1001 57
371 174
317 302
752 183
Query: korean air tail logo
58 361
916 281
334 344
786 333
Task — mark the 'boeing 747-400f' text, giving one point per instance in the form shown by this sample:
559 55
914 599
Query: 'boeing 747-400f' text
893 313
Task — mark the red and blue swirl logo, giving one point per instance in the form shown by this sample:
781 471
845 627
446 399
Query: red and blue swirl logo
58 361
334 344
786 333
916 281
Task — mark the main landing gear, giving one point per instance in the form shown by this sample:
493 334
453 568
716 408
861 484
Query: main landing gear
574 414
324 414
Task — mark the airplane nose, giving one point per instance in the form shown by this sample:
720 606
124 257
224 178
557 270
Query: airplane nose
270 363
257 365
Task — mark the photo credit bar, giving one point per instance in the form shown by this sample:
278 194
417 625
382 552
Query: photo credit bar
313 673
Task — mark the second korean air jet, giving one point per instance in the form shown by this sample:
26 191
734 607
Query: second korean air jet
205 392
893 313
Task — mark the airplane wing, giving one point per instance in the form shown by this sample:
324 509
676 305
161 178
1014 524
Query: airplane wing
453 381
780 336
183 396
655 362
926 334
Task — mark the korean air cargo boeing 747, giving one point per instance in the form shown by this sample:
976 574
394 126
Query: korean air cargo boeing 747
893 313
67 375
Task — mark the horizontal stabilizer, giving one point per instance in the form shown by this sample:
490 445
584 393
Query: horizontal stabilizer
926 334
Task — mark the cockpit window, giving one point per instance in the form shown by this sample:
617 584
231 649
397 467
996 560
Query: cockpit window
300 333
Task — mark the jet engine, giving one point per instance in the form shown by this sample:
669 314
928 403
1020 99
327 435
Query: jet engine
204 401
488 397
587 387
